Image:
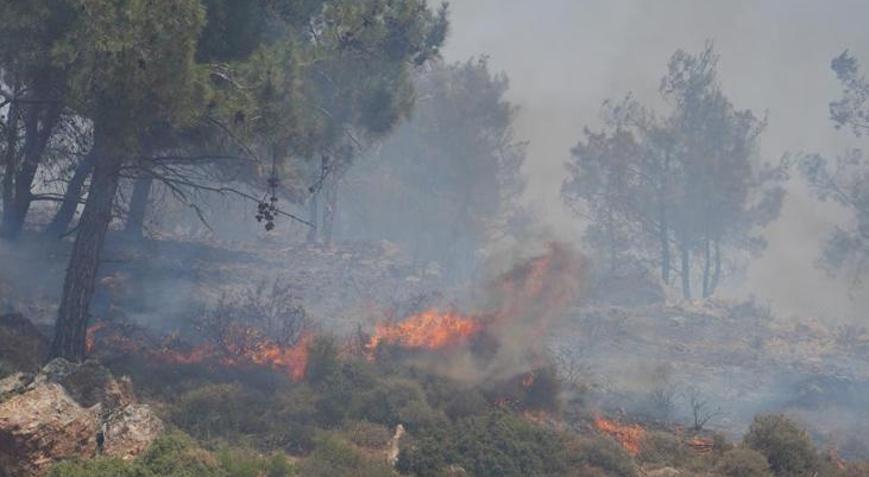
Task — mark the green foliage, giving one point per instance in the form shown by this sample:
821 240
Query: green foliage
605 454
662 448
322 360
367 434
99 467
335 458
176 455
787 448
497 444
743 462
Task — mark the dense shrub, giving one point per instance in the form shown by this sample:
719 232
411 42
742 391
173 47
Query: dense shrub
787 448
333 457
545 391
367 434
743 462
234 414
663 449
605 454
497 444
101 467
176 455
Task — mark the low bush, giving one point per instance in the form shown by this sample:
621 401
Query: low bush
742 462
787 448
334 457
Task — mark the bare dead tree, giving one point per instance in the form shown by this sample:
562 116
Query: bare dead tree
701 409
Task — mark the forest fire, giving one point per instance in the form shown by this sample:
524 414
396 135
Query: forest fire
429 330
253 349
629 436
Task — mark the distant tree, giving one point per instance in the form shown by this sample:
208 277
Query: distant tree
688 181
787 448
34 96
845 179
446 181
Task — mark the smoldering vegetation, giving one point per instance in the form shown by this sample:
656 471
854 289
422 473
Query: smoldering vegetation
292 238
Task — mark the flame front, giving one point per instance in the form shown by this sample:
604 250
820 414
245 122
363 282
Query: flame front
629 436
429 330
254 349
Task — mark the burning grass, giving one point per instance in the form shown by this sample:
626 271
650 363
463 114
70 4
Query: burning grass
629 436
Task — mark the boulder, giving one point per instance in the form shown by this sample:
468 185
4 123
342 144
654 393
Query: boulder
130 430
43 425
70 411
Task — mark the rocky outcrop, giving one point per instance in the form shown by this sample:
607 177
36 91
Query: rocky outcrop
70 410
43 425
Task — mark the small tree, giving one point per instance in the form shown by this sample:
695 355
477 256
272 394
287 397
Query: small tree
787 447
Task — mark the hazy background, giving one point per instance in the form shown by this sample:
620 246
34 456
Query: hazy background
564 57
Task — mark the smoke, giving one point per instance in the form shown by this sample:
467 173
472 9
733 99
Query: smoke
565 57
517 309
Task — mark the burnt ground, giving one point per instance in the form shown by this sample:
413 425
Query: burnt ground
737 358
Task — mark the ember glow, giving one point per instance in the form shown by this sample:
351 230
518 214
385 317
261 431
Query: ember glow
254 349
429 330
629 436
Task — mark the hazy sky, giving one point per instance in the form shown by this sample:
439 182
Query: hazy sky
564 57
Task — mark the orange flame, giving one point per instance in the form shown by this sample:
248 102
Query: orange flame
253 349
629 436
429 330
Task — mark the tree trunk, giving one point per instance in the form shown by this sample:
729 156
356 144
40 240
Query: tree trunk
39 123
138 206
81 273
707 268
313 217
664 237
686 270
71 198
10 159
716 276
331 209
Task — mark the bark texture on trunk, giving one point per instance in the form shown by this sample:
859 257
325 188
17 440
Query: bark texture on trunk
81 273
313 217
686 271
39 123
71 198
330 209
138 206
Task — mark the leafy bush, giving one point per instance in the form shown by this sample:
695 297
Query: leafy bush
605 454
367 434
100 467
176 455
743 462
663 449
787 448
497 444
333 457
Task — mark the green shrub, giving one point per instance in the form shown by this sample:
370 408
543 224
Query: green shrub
280 466
176 455
367 434
606 454
497 444
743 462
100 467
787 448
322 360
544 391
466 403
333 457
663 448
